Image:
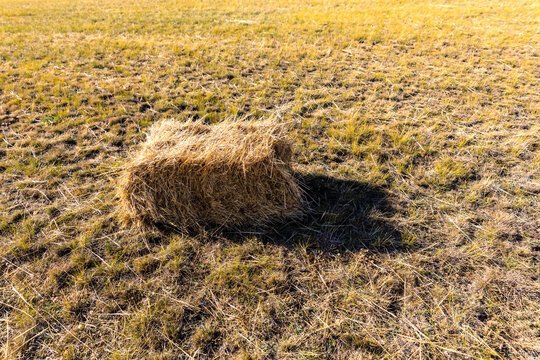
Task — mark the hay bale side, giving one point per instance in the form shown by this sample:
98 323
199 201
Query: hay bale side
231 174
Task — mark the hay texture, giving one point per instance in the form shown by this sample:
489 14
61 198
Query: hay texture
229 174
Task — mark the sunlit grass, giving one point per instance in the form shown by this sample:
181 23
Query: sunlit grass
429 108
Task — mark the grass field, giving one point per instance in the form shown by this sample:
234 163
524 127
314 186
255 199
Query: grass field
417 132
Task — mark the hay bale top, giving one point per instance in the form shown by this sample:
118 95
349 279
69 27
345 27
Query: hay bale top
226 143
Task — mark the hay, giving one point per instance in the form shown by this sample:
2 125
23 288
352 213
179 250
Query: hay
229 174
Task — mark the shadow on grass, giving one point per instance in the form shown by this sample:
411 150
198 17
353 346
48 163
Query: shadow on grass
341 214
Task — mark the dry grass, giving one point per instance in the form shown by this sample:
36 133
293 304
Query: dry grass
188 175
416 132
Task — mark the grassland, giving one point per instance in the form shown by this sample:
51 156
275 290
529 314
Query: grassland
417 133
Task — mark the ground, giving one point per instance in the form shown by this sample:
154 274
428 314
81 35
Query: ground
417 134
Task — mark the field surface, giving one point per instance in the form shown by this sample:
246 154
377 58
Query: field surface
417 134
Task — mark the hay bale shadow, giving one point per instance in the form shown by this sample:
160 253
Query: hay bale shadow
341 214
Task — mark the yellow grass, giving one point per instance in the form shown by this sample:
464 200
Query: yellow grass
416 130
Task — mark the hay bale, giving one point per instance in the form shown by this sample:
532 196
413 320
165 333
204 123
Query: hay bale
229 174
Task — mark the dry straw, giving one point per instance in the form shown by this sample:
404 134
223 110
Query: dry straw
228 174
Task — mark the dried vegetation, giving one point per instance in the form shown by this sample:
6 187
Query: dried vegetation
416 131
229 174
